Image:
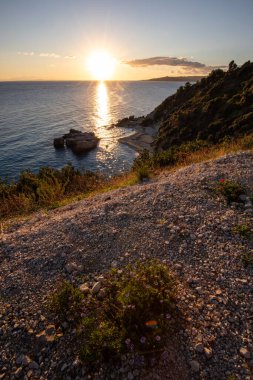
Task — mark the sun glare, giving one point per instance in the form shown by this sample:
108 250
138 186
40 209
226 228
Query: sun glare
101 65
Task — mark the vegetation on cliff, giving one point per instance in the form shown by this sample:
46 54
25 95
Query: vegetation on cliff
216 106
201 121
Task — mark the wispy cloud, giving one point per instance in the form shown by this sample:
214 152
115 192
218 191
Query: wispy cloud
50 55
69 57
168 61
26 53
44 55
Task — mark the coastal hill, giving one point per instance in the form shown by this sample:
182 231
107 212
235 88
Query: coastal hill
174 218
177 79
215 107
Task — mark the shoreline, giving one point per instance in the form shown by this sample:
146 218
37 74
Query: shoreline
142 137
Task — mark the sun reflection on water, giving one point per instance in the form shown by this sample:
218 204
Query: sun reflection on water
102 105
104 120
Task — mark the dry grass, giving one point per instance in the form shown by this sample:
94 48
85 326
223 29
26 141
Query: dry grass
18 206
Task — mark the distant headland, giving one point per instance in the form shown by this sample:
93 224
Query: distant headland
178 79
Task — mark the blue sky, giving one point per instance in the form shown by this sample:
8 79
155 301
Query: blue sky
210 32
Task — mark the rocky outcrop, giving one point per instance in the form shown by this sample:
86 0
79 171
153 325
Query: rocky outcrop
79 142
59 142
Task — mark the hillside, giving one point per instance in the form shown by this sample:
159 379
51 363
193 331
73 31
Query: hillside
217 106
176 218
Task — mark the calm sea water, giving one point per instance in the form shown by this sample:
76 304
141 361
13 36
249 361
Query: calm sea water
33 113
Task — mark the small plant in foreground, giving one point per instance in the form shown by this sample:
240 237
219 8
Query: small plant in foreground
231 190
143 172
134 314
232 377
243 230
247 258
66 303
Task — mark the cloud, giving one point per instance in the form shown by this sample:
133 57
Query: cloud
46 55
49 55
169 61
26 53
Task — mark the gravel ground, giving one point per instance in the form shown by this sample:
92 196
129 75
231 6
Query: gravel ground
175 217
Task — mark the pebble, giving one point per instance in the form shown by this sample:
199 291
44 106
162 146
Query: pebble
96 287
84 288
195 367
208 352
245 352
114 264
199 347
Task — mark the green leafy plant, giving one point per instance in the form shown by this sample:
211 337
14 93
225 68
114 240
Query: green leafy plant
243 230
143 172
132 313
32 191
231 190
247 258
66 303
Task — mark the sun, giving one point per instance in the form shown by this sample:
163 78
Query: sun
101 65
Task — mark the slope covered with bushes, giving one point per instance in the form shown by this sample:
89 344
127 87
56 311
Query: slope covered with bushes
217 106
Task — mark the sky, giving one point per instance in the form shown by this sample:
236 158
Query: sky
54 39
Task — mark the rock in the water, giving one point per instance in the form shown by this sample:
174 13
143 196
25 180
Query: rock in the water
79 142
82 146
59 142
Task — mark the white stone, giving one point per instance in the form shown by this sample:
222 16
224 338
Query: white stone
84 288
114 264
245 352
96 287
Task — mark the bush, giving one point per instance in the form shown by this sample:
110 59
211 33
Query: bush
231 190
44 189
243 230
247 258
133 315
66 303
143 172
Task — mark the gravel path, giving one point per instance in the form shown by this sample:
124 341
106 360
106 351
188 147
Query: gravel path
175 218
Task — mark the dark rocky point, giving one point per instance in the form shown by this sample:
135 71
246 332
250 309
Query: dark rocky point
79 142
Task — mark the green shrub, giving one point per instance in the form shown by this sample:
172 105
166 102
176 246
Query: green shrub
231 190
143 172
66 302
247 258
243 230
44 189
144 159
134 314
248 141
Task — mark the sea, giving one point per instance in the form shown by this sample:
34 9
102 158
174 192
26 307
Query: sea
32 114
